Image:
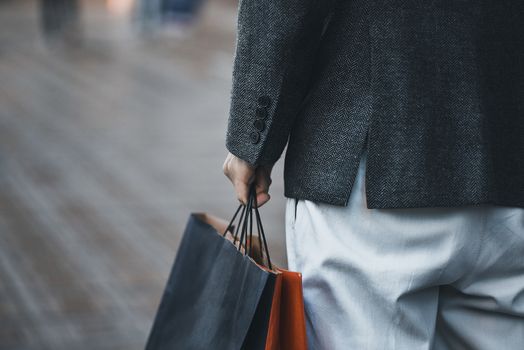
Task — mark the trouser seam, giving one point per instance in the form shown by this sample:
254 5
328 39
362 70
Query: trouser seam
476 260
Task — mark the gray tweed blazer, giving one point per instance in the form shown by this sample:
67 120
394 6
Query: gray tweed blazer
433 89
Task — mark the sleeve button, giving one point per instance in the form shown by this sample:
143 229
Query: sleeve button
254 136
261 112
259 124
264 101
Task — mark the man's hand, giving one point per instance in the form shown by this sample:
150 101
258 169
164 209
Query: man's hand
242 174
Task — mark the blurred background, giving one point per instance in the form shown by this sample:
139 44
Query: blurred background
113 116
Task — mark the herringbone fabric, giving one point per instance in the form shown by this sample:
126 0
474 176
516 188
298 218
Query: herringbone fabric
433 89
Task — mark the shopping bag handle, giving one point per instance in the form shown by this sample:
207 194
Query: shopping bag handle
247 215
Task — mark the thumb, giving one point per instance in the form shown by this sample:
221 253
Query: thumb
263 181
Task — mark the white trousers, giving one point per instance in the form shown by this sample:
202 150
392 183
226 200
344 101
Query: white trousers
424 278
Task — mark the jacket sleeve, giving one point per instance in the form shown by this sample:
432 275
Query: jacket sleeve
276 42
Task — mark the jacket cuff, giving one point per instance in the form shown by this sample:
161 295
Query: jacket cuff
275 50
255 100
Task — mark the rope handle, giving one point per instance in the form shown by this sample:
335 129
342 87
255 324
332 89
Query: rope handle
246 230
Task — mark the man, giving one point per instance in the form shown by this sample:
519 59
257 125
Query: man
404 169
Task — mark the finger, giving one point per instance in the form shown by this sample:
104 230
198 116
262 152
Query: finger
242 191
241 174
226 167
237 169
263 181
262 198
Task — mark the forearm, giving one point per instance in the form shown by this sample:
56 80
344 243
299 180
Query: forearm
275 48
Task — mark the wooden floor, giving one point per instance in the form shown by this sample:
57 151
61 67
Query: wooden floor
106 146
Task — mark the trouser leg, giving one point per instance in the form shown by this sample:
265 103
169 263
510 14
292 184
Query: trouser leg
484 310
371 277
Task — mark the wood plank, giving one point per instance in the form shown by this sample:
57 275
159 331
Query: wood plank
105 149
